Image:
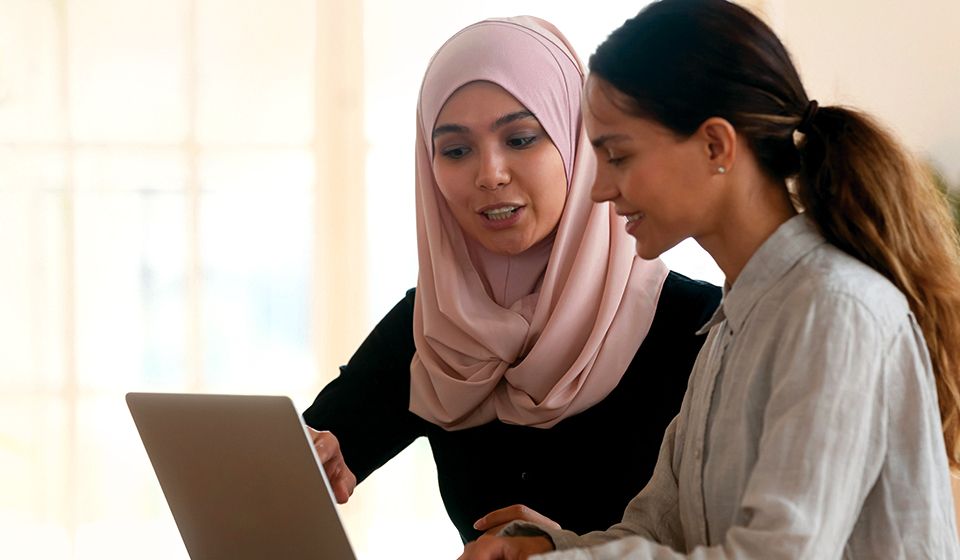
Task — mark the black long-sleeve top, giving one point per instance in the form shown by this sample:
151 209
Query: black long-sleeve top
581 473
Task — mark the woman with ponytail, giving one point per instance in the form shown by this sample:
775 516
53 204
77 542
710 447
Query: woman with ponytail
821 418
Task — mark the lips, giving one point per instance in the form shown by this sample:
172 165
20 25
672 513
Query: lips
502 215
633 220
500 212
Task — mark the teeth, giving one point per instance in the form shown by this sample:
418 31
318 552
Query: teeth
500 213
634 217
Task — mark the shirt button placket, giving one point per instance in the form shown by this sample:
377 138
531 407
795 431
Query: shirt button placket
716 367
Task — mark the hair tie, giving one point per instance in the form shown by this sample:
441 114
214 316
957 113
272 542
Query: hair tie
807 120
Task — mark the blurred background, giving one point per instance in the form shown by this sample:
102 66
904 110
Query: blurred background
217 196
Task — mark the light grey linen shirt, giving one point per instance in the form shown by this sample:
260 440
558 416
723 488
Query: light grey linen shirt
810 427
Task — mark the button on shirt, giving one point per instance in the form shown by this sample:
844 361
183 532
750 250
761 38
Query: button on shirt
810 427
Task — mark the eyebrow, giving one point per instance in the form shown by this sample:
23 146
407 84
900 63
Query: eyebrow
448 129
504 120
509 118
600 141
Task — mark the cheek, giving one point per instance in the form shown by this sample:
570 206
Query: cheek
449 181
666 177
639 184
690 182
552 187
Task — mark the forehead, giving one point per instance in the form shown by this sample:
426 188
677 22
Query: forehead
477 102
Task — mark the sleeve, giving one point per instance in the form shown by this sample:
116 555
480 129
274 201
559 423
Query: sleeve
367 405
820 449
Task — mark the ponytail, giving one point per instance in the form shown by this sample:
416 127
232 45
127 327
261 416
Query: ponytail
872 200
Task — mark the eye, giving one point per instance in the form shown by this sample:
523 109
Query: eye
454 152
521 142
614 157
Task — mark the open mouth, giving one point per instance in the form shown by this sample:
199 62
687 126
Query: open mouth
501 213
633 221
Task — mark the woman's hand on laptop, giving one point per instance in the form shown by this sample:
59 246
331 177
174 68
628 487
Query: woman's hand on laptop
505 548
342 480
496 520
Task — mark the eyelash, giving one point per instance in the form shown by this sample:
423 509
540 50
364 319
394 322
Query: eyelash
524 143
616 161
449 152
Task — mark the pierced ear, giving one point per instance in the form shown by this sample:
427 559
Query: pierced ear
720 140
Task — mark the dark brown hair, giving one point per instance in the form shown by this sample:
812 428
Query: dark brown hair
680 62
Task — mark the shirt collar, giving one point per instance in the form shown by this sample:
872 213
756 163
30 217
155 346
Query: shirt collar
793 240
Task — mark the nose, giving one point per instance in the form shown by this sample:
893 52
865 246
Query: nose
494 171
603 188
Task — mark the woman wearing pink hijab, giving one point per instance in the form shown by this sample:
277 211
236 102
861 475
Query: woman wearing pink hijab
538 351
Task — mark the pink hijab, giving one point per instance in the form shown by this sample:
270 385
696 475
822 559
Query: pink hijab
537 337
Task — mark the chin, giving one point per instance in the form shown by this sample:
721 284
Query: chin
509 249
647 252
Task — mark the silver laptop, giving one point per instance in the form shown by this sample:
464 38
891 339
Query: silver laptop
240 476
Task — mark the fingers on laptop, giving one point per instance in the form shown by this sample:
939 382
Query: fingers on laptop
496 520
342 479
325 443
505 548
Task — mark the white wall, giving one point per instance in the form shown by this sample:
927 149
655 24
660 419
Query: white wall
897 59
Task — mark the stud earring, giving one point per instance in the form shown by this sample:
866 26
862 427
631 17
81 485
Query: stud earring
721 170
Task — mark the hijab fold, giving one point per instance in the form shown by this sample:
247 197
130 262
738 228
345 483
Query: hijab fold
534 338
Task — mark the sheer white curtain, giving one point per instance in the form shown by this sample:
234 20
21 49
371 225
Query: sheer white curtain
165 205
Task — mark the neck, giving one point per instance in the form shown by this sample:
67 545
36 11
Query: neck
754 209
